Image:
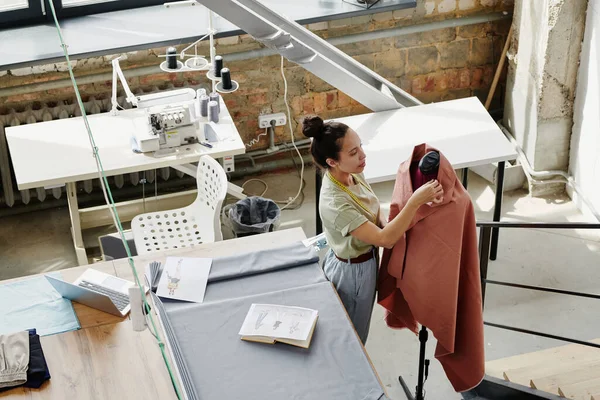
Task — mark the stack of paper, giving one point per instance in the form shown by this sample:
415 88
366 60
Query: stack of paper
153 272
269 323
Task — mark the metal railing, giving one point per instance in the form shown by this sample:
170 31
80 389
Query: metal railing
485 239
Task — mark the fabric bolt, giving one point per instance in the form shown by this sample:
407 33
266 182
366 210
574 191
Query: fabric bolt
355 284
14 358
431 276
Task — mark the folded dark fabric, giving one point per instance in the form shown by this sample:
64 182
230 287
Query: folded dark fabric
38 372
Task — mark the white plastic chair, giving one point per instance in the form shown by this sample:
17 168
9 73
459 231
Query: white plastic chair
185 227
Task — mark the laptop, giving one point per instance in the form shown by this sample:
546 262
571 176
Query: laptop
98 290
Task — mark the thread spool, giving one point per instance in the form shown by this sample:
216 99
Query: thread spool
213 111
214 96
204 99
172 58
200 92
218 66
226 79
138 320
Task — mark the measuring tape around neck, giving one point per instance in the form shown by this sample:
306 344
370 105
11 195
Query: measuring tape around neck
353 196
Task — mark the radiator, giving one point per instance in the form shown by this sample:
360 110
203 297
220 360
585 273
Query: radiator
10 196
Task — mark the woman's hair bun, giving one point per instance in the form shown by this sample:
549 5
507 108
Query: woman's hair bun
312 126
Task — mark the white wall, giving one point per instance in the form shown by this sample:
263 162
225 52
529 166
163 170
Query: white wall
585 140
525 76
542 81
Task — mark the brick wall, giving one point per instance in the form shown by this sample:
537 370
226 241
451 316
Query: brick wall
436 65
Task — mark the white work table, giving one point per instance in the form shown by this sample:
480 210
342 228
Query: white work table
461 129
58 152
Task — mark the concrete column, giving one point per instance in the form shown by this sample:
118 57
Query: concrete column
541 82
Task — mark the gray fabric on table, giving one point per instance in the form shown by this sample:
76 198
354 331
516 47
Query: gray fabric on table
214 363
242 275
258 262
222 366
259 272
182 367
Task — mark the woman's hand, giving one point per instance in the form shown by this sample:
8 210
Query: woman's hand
432 191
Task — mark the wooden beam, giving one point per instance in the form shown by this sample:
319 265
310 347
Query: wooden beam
499 69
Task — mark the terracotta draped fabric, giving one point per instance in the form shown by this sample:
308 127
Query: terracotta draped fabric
431 276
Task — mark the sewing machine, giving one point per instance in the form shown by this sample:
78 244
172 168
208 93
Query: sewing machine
167 126
171 119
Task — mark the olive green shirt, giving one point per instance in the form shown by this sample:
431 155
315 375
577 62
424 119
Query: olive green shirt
341 215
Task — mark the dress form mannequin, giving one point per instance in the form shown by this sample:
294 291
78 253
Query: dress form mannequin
421 172
425 169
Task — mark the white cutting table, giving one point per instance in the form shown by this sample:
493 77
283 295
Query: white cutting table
461 129
58 152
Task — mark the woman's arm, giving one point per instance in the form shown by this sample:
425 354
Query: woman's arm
391 233
395 229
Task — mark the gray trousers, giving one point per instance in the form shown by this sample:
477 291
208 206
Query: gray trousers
355 284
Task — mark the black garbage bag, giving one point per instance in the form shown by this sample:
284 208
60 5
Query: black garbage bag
254 215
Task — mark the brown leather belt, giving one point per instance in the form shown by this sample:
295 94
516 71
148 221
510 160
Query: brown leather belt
357 260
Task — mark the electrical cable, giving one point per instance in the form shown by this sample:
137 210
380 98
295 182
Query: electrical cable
287 204
287 106
257 180
256 139
110 202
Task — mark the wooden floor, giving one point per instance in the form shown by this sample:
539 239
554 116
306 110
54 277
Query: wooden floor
570 371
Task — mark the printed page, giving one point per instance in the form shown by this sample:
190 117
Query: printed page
278 321
184 278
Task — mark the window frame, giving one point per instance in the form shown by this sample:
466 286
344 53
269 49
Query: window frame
32 14
35 14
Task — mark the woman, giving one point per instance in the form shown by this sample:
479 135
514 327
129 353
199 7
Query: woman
351 217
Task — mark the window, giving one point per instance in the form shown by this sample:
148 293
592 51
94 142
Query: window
11 5
25 12
19 10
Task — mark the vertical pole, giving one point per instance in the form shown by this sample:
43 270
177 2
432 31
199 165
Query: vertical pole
484 252
497 209
76 223
423 336
319 227
465 177
211 44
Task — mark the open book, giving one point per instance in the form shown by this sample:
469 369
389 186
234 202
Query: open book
270 323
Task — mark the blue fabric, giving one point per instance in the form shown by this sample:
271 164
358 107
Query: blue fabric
355 284
33 303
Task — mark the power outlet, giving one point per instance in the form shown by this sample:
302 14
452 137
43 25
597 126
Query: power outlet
228 164
264 121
